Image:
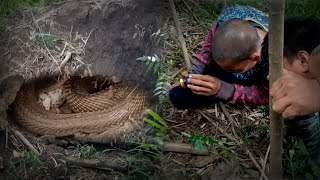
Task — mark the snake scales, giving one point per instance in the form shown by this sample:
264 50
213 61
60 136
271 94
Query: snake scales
101 116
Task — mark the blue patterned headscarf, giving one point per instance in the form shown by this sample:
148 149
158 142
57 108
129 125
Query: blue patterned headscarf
258 19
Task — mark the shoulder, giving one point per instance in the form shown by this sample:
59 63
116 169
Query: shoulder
243 12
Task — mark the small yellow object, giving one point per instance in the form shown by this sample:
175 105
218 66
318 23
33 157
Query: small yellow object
182 83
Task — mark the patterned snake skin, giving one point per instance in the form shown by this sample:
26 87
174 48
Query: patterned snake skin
101 117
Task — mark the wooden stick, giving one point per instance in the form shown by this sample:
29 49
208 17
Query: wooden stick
65 60
184 148
230 118
276 18
256 164
179 33
25 141
265 161
91 163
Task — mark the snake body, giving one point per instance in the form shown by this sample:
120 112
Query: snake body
99 117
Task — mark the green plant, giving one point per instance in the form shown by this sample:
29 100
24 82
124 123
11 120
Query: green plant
202 140
48 40
28 165
35 163
8 6
85 150
264 110
153 63
295 163
159 123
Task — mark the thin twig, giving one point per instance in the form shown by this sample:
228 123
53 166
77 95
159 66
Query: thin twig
237 142
230 118
190 11
219 128
25 141
65 60
256 164
179 33
37 25
265 161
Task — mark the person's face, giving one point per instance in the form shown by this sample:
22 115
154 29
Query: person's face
294 66
304 64
240 66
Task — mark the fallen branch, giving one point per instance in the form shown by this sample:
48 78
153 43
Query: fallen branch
65 60
179 34
109 164
265 161
184 148
25 141
256 164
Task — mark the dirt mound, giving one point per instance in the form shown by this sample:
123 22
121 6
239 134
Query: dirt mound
106 38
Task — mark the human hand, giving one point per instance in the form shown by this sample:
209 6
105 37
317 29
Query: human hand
177 83
294 95
204 84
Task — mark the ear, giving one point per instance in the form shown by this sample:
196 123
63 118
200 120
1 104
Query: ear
303 60
255 56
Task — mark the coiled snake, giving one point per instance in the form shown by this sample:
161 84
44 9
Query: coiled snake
101 116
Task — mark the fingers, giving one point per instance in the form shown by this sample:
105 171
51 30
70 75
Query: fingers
184 73
202 83
280 105
201 77
276 86
290 112
281 92
199 89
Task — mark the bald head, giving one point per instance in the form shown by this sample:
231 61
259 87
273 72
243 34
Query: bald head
235 40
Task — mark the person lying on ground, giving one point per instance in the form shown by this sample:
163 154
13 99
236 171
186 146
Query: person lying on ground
232 65
301 37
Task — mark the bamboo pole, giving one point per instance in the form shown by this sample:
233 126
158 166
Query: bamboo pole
276 15
179 34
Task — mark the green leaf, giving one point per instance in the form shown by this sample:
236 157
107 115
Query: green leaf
156 67
150 66
291 153
157 117
154 124
198 144
143 58
316 170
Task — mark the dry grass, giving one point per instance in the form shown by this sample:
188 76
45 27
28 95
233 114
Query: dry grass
44 53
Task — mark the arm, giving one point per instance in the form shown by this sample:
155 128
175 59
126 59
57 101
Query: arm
205 56
232 93
248 95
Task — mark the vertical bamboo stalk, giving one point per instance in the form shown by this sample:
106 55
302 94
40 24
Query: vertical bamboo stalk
180 35
276 15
